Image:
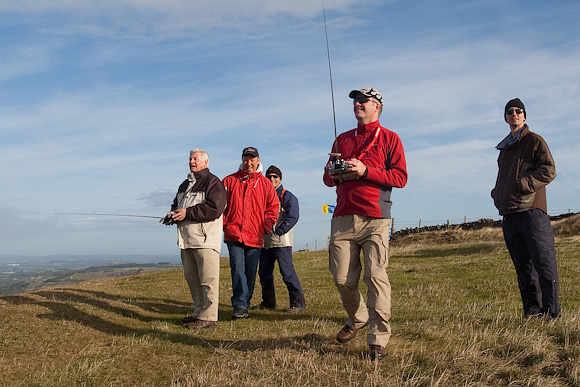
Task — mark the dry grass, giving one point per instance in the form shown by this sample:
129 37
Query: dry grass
567 227
456 322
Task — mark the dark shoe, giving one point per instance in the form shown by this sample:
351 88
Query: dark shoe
297 300
198 324
377 352
188 319
263 307
240 313
295 309
542 316
347 333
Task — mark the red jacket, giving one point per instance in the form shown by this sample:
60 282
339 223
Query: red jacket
252 208
386 168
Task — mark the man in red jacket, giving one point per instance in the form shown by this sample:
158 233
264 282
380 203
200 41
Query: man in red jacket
374 163
251 212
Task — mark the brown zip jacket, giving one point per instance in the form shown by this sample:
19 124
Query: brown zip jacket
525 168
204 197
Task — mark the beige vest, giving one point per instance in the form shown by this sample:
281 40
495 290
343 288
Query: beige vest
273 240
199 235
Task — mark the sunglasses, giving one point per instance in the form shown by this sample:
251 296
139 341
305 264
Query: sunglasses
511 111
272 176
363 100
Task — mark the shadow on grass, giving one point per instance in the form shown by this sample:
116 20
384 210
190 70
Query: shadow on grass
60 307
60 304
322 345
225 311
149 304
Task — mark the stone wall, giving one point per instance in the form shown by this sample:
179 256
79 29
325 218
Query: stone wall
481 223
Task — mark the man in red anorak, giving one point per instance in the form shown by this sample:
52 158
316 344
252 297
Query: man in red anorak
251 212
375 163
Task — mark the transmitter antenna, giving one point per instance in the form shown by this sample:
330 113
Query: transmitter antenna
92 214
166 220
335 153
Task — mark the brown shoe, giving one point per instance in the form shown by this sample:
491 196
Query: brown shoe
377 352
347 333
198 324
188 319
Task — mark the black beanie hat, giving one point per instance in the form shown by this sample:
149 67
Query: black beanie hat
274 169
514 103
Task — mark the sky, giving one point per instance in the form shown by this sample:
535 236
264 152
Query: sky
100 103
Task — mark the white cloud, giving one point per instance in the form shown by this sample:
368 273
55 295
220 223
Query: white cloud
19 61
177 18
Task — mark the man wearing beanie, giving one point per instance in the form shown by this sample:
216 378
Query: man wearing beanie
374 164
251 212
526 166
278 247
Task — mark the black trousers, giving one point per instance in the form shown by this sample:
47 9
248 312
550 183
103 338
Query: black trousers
530 241
268 258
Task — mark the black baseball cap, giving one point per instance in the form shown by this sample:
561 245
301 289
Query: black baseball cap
250 151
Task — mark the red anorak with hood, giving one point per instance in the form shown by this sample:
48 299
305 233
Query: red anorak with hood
252 207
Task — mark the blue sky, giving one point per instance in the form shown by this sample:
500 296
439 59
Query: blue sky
100 103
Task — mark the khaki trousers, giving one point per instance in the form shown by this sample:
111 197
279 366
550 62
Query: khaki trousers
201 268
349 235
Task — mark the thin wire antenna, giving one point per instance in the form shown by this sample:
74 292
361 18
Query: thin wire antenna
87 214
331 85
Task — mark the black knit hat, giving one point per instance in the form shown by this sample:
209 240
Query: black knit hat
274 169
514 103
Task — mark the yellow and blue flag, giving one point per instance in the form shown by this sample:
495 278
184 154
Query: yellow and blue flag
327 209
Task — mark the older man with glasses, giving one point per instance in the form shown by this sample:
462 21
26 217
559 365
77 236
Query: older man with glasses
372 162
526 166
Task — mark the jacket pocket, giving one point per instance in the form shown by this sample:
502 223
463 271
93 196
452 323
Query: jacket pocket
525 201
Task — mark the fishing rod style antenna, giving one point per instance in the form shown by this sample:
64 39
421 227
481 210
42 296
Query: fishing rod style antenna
124 215
167 219
335 153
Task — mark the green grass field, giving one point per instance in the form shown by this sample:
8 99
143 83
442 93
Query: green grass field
456 322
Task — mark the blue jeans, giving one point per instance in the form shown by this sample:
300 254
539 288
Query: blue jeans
244 265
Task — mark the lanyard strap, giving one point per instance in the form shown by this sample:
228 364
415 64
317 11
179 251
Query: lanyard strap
375 137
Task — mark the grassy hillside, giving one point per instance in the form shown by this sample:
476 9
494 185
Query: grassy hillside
35 279
456 322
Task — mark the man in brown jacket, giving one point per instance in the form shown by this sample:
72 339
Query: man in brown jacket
197 209
526 166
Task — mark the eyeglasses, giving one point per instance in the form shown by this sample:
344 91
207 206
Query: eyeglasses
363 100
509 112
272 176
